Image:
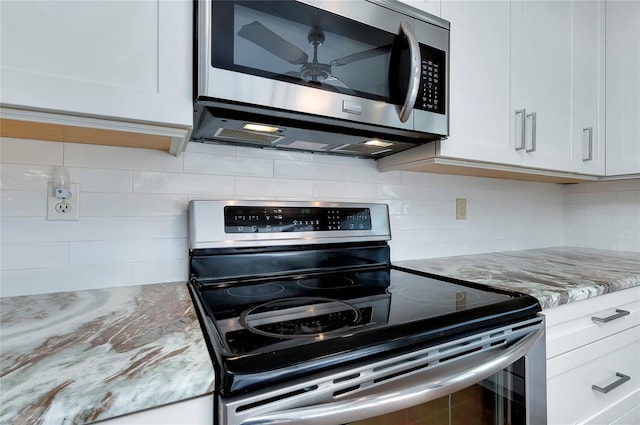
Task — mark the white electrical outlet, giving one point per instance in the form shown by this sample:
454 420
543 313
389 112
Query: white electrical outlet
63 209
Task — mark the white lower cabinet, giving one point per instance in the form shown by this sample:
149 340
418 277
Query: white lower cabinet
593 360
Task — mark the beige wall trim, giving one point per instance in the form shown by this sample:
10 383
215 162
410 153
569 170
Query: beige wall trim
26 124
479 169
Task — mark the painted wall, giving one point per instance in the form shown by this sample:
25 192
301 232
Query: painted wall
133 202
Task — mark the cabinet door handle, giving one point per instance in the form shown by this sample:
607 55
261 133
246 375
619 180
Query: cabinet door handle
523 123
619 314
622 378
533 132
587 144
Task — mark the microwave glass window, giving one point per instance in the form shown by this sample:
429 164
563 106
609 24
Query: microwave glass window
297 43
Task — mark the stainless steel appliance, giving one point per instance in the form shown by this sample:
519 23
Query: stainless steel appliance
308 323
361 77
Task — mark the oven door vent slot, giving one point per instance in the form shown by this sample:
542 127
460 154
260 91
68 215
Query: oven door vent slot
276 398
346 390
346 378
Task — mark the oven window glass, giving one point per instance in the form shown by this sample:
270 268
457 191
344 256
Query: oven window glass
300 44
498 400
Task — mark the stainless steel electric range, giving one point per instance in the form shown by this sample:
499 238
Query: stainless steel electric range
307 322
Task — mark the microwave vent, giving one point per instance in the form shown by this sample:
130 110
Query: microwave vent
307 146
361 149
240 135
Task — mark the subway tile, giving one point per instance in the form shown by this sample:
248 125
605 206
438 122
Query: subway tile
131 205
26 151
632 245
410 193
283 188
101 180
15 203
25 177
211 149
178 183
160 227
59 279
367 172
127 251
309 171
113 157
613 186
160 271
38 229
32 255
344 190
227 165
409 222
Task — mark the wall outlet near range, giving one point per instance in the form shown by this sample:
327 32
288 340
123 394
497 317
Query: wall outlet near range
63 209
461 208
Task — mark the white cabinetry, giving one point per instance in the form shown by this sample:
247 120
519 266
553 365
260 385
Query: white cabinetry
526 88
479 82
122 61
557 65
584 353
623 87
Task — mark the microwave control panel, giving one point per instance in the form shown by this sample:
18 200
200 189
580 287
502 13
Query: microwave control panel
431 95
244 219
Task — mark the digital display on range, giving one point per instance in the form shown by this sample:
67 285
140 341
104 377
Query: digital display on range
242 219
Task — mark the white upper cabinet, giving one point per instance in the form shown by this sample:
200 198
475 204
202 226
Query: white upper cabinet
623 87
127 60
479 82
526 89
557 88
588 79
541 82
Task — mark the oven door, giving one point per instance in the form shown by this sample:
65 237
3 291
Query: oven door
493 377
348 60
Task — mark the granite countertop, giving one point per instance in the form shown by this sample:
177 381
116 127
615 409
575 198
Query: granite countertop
79 357
554 276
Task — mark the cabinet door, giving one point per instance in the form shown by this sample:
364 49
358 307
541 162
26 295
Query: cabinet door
123 59
623 87
541 81
588 64
479 82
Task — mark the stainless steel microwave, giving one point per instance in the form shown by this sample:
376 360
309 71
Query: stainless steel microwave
359 77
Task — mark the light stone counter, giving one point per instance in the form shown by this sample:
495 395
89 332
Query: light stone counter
554 276
80 357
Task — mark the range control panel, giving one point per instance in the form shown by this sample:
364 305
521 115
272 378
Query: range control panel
245 219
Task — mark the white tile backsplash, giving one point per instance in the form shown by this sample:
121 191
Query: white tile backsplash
603 215
133 223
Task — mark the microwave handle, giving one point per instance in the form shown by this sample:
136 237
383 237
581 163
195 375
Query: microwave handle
405 393
414 80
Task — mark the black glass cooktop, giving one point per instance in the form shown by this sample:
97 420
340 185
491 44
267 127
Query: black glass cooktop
263 328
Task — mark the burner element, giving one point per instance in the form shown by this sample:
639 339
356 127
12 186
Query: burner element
326 282
251 291
300 317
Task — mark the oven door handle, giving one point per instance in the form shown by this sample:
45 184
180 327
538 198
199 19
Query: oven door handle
405 392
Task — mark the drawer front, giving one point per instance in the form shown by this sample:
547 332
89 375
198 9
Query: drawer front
570 377
574 325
